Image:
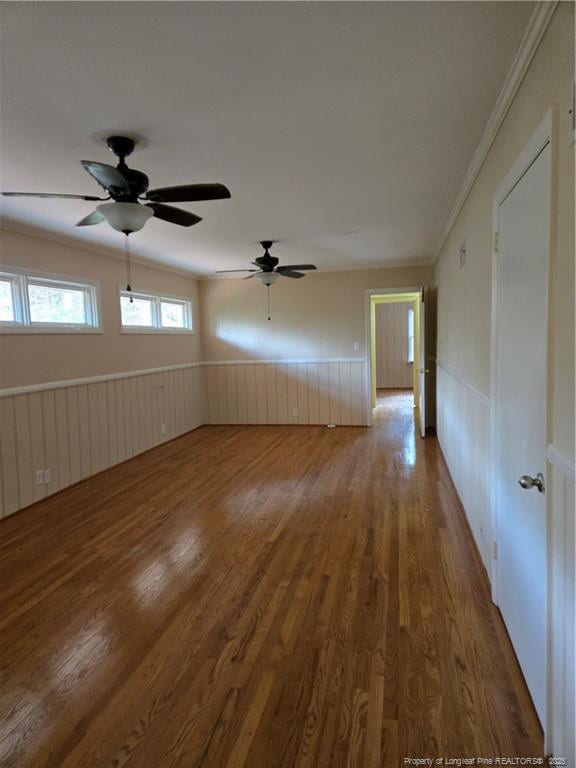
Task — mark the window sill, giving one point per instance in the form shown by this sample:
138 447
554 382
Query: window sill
158 331
29 329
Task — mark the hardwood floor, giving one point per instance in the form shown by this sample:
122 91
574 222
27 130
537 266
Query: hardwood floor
256 596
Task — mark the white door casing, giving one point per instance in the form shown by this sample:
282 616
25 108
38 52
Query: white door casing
422 366
519 389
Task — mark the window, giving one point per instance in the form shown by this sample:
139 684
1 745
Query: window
32 302
172 314
56 304
138 313
410 357
154 313
7 301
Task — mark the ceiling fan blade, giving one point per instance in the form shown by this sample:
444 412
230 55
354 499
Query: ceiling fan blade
284 267
249 277
223 271
110 178
93 218
174 215
50 194
290 273
189 193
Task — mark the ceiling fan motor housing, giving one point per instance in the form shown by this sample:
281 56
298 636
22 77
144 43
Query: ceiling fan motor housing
267 262
137 181
121 146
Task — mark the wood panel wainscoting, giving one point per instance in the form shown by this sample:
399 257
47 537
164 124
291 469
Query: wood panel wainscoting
391 346
57 434
74 429
463 427
561 480
287 392
256 596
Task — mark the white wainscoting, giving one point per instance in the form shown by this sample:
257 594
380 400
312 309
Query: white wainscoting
77 428
287 392
562 640
463 428
391 328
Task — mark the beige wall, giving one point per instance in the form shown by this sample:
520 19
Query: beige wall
391 327
464 295
320 316
27 359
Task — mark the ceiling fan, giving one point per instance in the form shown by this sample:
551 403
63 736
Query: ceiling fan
126 187
269 269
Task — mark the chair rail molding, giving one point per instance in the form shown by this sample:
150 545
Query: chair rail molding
65 383
562 462
485 399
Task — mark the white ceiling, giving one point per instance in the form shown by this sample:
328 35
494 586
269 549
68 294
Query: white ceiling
324 119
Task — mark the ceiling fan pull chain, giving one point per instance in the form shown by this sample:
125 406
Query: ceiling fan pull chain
128 267
268 297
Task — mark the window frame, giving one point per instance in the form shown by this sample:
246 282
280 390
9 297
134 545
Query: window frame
22 278
157 299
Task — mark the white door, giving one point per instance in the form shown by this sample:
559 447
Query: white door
520 426
422 369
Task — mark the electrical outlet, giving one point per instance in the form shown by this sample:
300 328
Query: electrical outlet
39 474
163 429
47 476
356 346
295 412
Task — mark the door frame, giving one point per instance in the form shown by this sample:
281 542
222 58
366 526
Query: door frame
544 135
368 338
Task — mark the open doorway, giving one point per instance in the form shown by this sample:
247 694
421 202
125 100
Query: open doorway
394 328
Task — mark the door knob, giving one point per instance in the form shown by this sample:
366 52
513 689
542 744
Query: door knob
424 370
527 482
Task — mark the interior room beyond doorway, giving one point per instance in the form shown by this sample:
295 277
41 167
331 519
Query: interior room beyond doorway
395 342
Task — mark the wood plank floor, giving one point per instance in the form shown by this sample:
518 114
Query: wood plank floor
256 596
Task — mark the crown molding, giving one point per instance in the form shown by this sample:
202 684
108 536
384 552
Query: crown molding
535 30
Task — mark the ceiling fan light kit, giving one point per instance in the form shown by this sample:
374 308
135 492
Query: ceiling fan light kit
266 278
125 217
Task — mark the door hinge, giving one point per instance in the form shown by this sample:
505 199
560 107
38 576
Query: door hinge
495 550
496 244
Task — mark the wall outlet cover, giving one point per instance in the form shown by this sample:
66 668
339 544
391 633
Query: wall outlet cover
47 476
39 475
295 412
